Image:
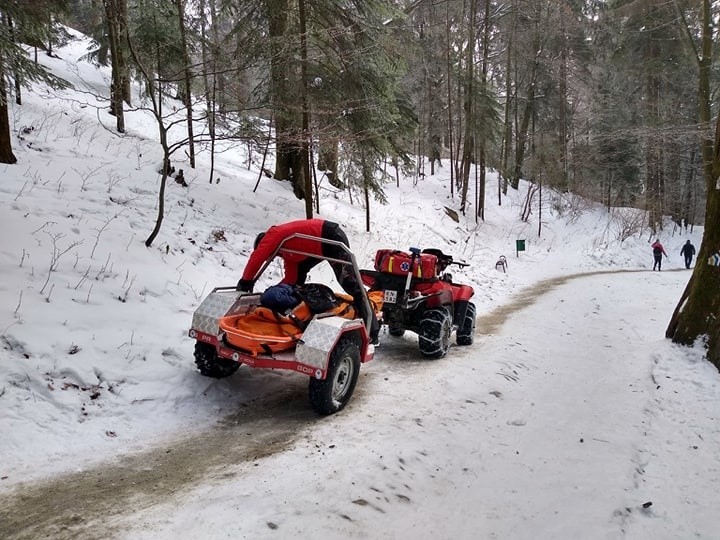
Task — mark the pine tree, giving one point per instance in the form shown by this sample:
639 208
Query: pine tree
29 22
350 83
356 99
650 36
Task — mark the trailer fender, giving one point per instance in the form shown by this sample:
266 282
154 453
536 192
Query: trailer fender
320 338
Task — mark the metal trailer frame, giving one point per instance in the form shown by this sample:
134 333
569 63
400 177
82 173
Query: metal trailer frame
312 353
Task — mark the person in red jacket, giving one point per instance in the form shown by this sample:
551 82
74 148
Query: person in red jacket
658 252
297 266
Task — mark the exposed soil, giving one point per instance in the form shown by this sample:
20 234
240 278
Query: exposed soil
80 505
72 505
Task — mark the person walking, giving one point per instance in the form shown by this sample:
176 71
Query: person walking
296 266
658 252
688 251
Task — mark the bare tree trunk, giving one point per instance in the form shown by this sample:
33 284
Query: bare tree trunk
449 95
187 80
562 105
305 148
16 75
162 129
507 141
155 95
482 183
283 89
654 161
6 153
265 154
457 136
529 110
116 95
328 162
481 152
161 195
522 136
316 186
469 108
540 206
126 89
209 88
697 311
366 178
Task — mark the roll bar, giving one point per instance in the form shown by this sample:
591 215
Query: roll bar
326 241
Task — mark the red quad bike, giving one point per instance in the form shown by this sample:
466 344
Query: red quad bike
421 297
327 347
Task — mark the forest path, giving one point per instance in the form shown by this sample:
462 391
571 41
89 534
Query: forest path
80 504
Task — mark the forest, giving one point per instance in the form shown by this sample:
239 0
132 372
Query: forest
611 100
599 98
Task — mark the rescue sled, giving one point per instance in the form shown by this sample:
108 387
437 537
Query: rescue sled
232 328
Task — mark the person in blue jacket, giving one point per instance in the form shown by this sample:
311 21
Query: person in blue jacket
688 251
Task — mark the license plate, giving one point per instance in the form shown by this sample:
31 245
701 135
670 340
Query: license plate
390 297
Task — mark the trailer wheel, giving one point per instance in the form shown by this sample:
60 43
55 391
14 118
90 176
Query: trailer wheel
332 394
396 331
466 333
434 334
207 361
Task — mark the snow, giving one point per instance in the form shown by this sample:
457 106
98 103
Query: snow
571 416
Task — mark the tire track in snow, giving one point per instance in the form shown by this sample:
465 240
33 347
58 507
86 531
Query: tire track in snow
489 324
80 504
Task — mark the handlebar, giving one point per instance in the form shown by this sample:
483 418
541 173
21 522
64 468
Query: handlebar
444 259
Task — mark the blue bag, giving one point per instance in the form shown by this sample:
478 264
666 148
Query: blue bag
281 297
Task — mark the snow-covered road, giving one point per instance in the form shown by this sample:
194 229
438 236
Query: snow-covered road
574 419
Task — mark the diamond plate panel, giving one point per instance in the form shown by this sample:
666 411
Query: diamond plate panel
218 304
319 339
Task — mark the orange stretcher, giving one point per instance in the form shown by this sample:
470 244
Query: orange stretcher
264 331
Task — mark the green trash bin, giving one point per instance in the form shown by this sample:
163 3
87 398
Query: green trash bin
519 246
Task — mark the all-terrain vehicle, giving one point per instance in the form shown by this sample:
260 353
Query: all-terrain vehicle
232 328
420 296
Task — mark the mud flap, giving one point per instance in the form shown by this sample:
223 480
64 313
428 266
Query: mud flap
460 311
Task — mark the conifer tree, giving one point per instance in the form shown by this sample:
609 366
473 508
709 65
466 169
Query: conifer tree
23 22
351 82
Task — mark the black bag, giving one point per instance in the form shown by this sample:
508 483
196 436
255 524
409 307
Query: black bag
318 297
